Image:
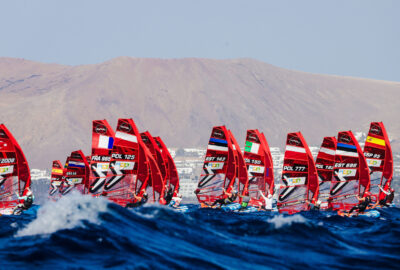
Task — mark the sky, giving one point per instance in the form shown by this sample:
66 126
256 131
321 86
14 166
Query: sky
342 37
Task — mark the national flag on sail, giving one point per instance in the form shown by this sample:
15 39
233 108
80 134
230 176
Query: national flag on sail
101 141
327 151
218 144
252 147
346 150
76 164
374 140
126 136
57 171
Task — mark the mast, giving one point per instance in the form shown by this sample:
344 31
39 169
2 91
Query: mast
379 157
219 167
299 176
351 174
102 145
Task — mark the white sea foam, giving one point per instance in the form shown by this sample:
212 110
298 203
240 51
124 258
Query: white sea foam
68 212
281 221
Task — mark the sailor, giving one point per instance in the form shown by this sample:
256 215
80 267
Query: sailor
385 201
228 198
26 203
245 201
176 201
362 205
268 202
139 200
314 205
169 194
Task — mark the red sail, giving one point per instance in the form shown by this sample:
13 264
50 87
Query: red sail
156 186
299 176
378 153
15 178
324 164
172 173
56 180
157 155
219 167
76 173
128 172
102 145
241 171
259 166
351 174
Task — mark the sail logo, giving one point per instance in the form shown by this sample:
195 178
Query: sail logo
124 165
294 141
215 165
6 170
345 138
374 162
347 172
2 134
376 130
125 127
74 181
256 169
296 181
100 129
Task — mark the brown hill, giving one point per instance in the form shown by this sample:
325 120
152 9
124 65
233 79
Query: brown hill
49 107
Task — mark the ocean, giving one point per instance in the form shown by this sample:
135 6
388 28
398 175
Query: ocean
80 232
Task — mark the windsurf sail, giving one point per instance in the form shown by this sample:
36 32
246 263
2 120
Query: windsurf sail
56 180
102 145
324 164
299 176
172 179
157 155
76 174
15 178
242 178
219 167
259 164
350 173
379 157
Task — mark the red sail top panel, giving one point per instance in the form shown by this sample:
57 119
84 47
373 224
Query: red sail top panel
172 173
379 157
219 167
299 179
102 144
269 165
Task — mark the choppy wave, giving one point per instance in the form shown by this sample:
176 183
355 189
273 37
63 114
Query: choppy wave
80 232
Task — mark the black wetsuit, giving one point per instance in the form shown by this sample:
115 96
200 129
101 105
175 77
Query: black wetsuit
169 195
225 201
314 207
28 202
361 206
136 204
387 200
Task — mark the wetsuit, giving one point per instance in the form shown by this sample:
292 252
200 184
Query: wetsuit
225 201
362 205
168 196
137 203
314 207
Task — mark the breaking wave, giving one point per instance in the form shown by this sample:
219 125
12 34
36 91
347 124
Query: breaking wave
87 233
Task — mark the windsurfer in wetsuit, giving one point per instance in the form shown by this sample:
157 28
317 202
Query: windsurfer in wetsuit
26 203
389 195
169 194
139 201
227 198
314 205
362 205
176 201
245 201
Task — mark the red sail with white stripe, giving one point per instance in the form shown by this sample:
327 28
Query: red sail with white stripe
15 178
259 166
172 179
350 175
128 171
324 164
102 144
56 180
378 153
299 176
219 167
76 174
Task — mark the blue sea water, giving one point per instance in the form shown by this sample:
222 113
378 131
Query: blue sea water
80 232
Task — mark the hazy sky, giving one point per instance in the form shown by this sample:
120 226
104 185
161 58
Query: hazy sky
352 38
